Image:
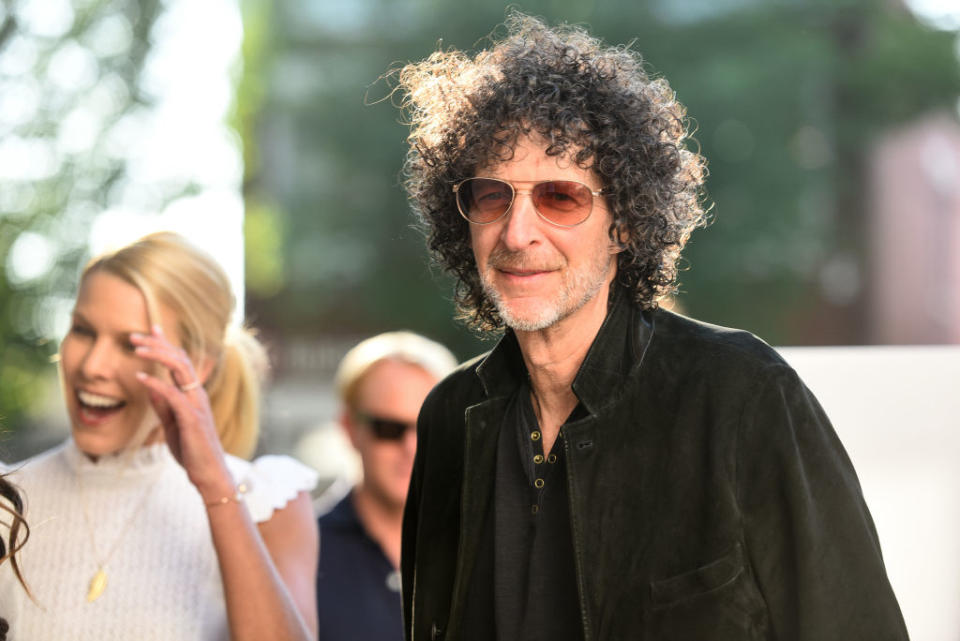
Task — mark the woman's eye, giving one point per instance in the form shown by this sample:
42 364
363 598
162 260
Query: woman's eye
81 330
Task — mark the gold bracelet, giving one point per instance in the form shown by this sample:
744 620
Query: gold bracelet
236 497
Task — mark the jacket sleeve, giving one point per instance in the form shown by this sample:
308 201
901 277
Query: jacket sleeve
810 538
411 518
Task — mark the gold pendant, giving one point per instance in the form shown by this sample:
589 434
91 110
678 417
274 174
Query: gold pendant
97 585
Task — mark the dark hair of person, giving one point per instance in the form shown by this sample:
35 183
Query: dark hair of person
590 103
13 507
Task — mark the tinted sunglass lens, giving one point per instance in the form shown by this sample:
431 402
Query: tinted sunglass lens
387 430
563 202
483 200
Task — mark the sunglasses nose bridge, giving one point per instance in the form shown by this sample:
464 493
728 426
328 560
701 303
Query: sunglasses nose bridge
516 193
521 218
533 203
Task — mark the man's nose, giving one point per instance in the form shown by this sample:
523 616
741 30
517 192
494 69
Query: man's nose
522 225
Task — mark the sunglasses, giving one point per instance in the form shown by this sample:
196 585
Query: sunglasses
564 203
386 429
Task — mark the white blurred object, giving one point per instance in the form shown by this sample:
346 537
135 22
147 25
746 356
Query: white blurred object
184 139
327 450
896 410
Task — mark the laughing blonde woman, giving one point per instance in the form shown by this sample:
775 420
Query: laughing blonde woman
148 522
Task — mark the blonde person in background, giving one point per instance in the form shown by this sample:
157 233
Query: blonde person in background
381 384
147 523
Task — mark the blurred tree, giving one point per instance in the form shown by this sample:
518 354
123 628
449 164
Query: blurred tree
70 92
789 100
786 98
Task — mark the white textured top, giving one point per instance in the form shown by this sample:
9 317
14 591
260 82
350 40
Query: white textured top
163 580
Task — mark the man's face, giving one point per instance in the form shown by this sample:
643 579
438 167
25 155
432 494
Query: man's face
536 273
393 391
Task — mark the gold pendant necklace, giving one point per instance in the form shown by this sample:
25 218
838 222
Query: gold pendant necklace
99 581
97 585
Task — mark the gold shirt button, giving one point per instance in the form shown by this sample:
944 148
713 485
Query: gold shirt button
552 458
538 483
535 435
534 509
538 459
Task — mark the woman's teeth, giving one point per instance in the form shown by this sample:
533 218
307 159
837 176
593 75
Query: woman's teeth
98 401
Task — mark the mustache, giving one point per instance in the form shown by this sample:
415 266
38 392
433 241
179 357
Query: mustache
523 261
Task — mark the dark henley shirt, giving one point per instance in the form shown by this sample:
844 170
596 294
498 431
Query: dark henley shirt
535 589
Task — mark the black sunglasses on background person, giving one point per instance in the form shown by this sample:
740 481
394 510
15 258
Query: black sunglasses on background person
385 429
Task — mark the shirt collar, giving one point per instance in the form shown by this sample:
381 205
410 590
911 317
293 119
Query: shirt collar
616 351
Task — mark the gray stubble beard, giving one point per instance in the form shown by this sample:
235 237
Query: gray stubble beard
587 283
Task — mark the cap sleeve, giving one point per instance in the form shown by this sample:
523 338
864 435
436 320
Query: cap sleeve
271 482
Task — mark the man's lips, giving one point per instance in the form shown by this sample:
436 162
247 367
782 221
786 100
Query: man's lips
522 278
523 272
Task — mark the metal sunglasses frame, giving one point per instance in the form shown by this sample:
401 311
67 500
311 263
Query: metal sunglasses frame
513 199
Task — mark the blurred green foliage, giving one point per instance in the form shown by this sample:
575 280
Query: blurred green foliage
786 98
68 72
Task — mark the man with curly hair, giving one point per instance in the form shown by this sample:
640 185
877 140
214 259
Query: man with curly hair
610 470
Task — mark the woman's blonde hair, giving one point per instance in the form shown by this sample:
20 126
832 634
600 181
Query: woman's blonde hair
173 273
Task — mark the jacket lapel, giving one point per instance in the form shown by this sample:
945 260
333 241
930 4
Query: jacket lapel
615 354
499 373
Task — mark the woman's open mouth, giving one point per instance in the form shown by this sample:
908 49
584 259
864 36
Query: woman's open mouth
94 408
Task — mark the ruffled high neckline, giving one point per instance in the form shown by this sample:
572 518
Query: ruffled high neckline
143 460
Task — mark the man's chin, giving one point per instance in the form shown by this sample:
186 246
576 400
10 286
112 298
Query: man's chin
527 318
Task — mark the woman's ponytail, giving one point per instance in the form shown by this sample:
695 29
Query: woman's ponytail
234 391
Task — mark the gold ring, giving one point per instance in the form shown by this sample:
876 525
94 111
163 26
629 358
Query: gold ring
189 386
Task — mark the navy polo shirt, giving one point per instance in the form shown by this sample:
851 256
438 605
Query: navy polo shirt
358 590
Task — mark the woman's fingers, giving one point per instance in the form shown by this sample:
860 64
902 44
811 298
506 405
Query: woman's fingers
171 405
190 432
155 347
184 410
160 405
181 418
168 422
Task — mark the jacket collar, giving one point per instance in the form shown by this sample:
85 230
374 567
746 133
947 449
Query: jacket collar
616 352
503 368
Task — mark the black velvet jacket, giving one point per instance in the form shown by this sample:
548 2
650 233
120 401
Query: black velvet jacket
710 498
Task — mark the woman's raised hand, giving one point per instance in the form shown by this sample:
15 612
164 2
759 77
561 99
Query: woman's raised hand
183 407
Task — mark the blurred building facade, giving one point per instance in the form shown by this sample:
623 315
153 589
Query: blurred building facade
914 234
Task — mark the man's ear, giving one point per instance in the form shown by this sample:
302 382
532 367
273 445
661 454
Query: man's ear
619 238
349 426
